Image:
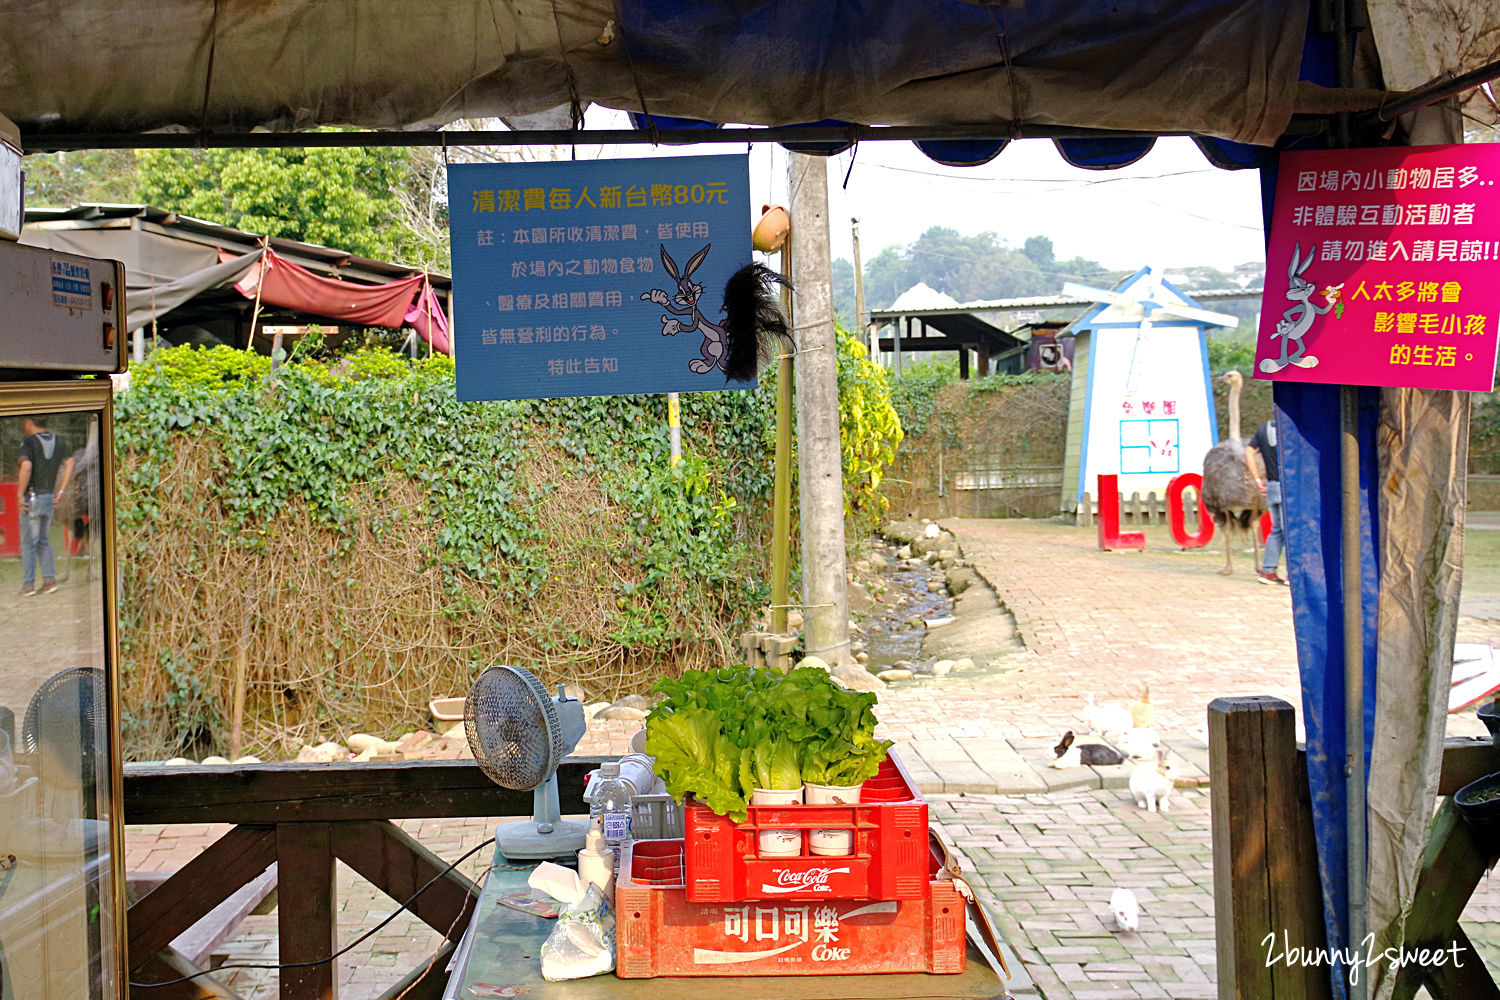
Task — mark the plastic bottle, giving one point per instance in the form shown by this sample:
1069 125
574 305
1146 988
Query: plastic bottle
596 862
612 804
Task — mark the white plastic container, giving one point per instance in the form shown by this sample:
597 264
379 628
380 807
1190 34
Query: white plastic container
835 842
596 862
778 843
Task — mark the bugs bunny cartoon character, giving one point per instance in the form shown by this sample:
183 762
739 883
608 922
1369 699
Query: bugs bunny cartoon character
687 296
1297 320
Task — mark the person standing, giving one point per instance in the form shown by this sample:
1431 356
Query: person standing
46 467
1263 446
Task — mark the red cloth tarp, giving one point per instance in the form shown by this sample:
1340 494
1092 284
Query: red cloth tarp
408 302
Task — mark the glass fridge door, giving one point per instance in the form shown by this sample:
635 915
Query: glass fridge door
59 758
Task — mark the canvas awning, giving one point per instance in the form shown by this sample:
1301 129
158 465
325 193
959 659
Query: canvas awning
177 268
1227 71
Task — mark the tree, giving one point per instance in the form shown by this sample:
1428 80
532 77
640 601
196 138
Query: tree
843 292
62 180
338 197
971 267
1039 250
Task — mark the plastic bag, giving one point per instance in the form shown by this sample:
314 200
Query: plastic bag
582 944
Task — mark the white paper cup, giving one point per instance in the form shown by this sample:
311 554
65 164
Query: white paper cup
778 843
837 842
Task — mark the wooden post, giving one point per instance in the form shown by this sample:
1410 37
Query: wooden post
306 909
963 363
1267 893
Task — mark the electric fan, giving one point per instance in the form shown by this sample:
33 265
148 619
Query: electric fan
64 724
518 735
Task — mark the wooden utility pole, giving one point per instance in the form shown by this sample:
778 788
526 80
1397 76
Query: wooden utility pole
825 595
861 318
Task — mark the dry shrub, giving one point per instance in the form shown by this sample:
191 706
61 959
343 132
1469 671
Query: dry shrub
342 631
984 424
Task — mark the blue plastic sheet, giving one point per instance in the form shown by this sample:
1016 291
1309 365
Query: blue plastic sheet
1308 429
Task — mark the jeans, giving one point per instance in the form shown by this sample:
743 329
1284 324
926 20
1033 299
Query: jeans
36 539
1274 540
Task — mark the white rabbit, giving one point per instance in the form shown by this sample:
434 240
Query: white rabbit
1126 909
1140 744
1151 783
1106 719
1141 711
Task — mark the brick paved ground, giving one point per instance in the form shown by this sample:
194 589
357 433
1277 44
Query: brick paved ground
1049 858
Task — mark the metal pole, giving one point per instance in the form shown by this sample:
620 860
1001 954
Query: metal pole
1355 805
781 516
1354 672
674 429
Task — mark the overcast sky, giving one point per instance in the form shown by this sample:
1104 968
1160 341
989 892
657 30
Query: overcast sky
1171 208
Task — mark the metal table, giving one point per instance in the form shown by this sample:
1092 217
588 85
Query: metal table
502 947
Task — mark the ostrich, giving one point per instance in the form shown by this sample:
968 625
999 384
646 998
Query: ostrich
1229 491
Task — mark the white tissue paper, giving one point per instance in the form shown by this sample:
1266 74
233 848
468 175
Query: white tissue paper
557 881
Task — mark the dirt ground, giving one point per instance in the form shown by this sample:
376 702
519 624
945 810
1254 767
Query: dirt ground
47 633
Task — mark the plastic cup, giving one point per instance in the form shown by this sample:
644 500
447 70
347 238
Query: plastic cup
778 843
839 841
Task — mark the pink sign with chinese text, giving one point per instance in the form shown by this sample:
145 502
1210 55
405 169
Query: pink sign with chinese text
1383 268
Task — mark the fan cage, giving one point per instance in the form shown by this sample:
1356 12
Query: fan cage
512 727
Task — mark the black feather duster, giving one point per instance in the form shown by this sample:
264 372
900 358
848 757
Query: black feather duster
754 325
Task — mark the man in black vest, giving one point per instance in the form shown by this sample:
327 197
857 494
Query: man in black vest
1263 446
46 467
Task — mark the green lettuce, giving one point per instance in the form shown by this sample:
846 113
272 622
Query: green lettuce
719 734
694 757
774 763
842 762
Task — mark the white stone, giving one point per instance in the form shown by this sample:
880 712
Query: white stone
862 657
814 661
216 759
179 762
248 759
857 678
932 530
625 713
963 663
904 552
942 668
895 675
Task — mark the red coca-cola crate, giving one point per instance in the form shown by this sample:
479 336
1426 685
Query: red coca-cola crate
659 932
889 858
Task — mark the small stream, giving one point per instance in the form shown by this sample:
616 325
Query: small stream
893 631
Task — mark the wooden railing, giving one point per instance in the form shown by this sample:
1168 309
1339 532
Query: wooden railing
1266 869
304 818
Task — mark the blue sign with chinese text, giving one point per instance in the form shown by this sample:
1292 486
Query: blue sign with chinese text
597 277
